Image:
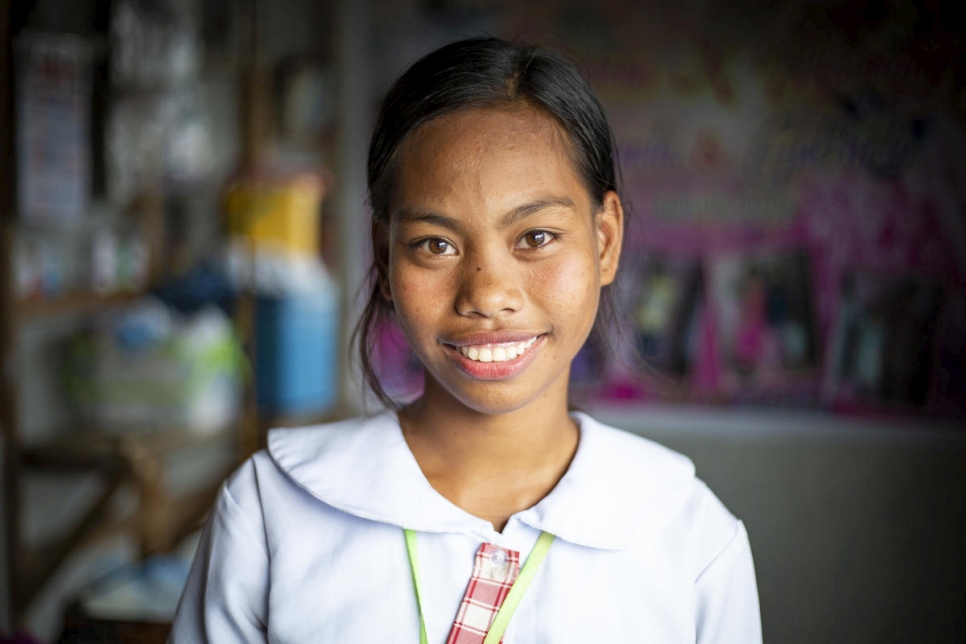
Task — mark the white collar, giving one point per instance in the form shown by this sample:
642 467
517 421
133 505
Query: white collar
618 485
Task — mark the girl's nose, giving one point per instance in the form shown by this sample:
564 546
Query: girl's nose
489 287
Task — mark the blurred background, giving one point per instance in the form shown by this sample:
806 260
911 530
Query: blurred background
185 238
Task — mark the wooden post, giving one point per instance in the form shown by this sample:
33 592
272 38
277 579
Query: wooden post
8 344
153 510
255 92
256 111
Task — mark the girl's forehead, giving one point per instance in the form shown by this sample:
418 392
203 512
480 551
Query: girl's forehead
486 126
484 153
469 142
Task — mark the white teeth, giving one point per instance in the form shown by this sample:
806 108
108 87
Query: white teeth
498 353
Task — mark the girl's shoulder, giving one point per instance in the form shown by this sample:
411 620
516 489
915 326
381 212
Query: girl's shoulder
296 449
314 456
652 488
626 461
613 443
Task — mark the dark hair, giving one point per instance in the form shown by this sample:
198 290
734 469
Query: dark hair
478 73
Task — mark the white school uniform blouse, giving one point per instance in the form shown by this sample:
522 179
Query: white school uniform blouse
305 544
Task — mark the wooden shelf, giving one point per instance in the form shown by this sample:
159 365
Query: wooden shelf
158 525
79 627
98 445
132 459
660 421
72 303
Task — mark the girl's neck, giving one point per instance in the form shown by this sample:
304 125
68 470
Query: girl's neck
491 465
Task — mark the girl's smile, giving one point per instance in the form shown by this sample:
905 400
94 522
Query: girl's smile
496 255
495 360
497 352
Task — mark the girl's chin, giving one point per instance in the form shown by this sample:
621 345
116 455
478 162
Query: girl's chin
495 406
496 397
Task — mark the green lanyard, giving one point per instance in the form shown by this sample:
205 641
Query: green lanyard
502 619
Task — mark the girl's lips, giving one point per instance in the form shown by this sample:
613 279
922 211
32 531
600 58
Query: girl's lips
494 360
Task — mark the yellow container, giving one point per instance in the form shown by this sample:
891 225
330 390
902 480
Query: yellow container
277 213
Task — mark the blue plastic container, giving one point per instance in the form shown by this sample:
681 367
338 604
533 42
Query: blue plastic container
296 353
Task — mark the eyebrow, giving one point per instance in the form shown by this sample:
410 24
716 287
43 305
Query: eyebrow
524 211
406 215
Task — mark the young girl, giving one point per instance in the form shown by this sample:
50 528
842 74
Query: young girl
484 509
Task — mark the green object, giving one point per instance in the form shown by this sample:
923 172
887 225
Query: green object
510 604
414 567
189 378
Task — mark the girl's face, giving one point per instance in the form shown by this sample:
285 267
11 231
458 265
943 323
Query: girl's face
496 257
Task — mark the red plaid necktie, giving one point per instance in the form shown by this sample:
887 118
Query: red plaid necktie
494 572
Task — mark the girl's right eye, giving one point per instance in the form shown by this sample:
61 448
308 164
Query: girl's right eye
436 246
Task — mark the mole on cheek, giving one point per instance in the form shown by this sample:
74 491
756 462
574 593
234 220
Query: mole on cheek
479 268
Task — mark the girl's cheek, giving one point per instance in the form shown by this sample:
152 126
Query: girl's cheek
406 279
566 283
417 291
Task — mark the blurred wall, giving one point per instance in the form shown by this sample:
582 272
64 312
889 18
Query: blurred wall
856 526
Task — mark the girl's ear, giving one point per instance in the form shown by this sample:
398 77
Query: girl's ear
380 255
610 235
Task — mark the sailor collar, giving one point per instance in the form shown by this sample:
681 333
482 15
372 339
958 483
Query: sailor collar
617 487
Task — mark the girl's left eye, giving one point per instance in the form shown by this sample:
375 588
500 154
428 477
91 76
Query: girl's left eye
436 246
537 238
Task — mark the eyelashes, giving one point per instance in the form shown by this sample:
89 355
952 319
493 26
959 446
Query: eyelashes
436 246
442 247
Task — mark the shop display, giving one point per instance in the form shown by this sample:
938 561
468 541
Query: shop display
149 367
765 328
884 344
663 310
53 115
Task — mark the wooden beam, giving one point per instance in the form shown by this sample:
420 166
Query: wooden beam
8 347
44 562
73 303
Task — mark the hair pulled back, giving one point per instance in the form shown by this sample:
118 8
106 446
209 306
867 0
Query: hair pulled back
476 73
